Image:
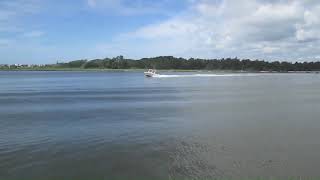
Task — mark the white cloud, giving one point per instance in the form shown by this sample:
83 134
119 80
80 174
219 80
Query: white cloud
13 28
92 3
309 30
286 29
12 11
33 34
130 7
4 42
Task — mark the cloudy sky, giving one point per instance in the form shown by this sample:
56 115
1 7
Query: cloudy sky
45 31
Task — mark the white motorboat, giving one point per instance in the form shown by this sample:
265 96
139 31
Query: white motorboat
150 73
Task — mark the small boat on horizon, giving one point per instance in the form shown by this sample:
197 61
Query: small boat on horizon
151 73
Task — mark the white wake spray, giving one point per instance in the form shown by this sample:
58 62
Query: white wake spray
199 75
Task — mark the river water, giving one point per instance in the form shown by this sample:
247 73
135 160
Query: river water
121 125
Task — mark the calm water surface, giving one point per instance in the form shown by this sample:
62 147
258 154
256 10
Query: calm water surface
111 125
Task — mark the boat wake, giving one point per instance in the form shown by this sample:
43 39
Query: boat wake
199 75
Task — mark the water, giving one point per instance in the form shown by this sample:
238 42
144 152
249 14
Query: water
120 125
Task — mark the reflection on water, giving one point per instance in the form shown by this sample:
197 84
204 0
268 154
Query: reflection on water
103 125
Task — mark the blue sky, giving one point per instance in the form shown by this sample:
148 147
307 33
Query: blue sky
46 31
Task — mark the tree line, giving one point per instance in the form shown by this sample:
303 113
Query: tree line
170 62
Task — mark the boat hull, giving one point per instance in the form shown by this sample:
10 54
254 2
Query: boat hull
148 74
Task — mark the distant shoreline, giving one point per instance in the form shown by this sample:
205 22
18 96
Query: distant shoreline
170 63
141 70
